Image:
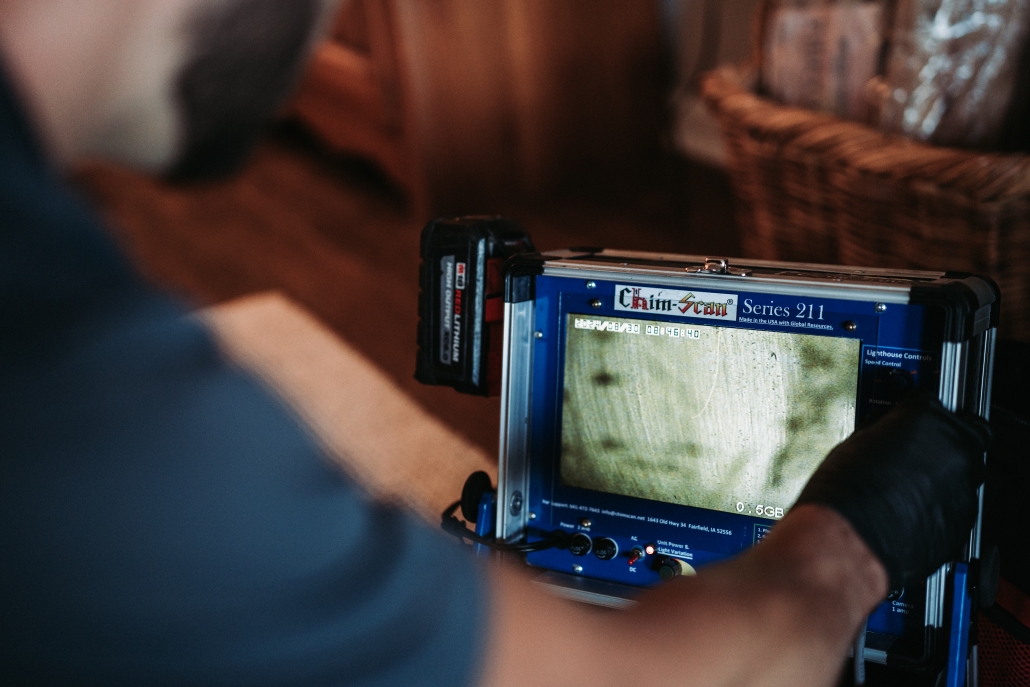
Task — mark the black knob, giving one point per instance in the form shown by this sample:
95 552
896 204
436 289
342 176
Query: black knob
669 568
990 571
579 544
606 549
477 484
899 381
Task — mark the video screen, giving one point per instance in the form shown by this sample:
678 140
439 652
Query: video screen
722 418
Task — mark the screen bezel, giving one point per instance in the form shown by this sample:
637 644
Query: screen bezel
572 301
558 296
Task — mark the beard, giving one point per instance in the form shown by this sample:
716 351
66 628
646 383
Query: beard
244 58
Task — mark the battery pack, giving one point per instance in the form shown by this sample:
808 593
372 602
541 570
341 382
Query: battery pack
461 301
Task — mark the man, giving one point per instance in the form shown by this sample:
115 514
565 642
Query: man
162 521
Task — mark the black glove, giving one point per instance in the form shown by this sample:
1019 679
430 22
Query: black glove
907 484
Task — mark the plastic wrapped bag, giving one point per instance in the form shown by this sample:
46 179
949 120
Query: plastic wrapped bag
953 70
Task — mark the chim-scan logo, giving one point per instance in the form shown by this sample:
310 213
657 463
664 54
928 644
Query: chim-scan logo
693 304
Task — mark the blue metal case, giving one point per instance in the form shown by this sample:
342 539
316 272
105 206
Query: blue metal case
887 330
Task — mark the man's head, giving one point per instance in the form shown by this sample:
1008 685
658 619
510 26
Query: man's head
181 87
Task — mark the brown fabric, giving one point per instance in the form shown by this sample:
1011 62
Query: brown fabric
1004 661
1013 600
365 422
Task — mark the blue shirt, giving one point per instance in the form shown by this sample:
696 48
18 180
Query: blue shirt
162 519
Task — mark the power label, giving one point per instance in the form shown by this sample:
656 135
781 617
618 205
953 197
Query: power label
452 288
693 304
446 305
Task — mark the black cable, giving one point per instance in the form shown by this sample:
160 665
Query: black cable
457 528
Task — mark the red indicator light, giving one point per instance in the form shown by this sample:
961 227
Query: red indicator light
649 549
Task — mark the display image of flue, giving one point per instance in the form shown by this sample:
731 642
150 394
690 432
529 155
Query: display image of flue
713 417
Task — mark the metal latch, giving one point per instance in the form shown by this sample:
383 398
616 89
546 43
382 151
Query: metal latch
719 266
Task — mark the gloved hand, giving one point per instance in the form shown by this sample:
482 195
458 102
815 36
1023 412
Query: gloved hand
907 484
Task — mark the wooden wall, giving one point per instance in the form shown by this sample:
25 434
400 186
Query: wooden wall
505 99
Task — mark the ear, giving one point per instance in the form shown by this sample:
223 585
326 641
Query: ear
142 123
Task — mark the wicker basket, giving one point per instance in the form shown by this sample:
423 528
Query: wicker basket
815 188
